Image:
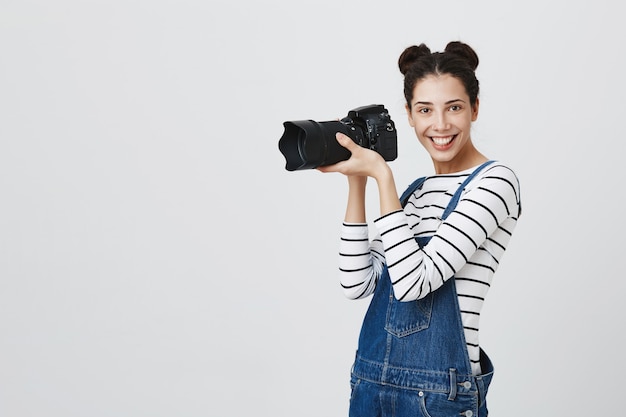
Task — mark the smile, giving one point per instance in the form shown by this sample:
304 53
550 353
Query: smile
442 140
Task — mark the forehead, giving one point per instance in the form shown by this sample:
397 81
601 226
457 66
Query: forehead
439 88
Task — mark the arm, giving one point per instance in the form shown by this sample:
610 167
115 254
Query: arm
481 214
360 264
367 163
355 210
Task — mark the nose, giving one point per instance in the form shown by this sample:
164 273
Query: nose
441 122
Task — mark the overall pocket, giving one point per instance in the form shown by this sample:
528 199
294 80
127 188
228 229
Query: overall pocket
405 318
437 404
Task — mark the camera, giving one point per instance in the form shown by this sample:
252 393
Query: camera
307 144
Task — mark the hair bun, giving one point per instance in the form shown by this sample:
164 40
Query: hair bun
410 56
464 51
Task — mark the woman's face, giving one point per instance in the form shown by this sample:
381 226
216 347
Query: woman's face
441 115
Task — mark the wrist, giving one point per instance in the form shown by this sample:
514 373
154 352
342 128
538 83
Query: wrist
383 174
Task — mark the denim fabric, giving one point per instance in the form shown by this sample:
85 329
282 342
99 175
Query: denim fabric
412 357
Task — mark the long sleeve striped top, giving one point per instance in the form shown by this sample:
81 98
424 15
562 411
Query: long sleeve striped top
467 245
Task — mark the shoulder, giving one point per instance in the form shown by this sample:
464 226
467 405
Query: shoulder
499 171
499 167
499 179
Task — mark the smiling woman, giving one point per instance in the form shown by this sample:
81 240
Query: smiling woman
431 264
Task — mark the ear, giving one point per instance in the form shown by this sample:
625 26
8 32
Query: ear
475 110
408 113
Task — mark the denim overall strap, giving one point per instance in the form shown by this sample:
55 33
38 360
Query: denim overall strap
419 345
415 185
457 195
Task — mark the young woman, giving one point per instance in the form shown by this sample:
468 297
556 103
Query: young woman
432 261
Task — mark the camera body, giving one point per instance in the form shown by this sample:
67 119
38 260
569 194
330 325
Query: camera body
372 127
307 144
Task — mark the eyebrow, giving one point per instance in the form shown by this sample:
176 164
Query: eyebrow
447 102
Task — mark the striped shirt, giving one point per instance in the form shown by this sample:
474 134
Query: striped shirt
467 245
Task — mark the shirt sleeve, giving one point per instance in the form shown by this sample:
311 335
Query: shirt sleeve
360 261
415 271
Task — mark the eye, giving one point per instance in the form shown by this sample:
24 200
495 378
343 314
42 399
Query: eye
423 110
455 108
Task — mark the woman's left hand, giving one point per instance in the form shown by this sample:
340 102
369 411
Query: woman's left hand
363 162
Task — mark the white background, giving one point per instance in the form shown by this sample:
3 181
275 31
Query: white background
156 259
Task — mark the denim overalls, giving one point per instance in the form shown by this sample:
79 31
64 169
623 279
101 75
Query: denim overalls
412 358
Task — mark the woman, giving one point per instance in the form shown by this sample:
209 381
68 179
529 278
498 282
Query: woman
438 246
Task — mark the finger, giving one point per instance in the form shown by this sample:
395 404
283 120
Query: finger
344 140
336 167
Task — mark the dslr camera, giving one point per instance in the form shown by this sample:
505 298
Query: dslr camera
307 144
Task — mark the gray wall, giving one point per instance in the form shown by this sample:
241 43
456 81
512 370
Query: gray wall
156 259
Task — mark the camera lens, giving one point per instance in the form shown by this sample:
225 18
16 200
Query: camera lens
302 145
307 144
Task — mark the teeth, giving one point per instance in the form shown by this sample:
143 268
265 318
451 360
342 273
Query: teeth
442 141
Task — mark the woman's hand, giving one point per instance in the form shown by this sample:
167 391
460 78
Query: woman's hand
362 163
365 163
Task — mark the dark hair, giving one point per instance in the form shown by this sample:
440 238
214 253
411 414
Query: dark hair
458 60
